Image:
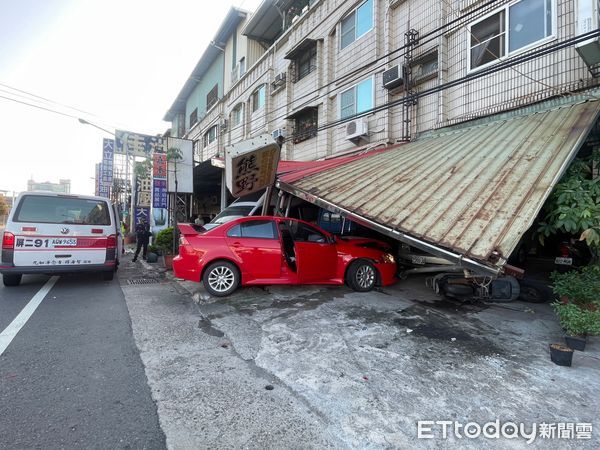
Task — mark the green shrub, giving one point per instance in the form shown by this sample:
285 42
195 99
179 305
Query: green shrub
582 288
164 241
578 309
154 249
578 320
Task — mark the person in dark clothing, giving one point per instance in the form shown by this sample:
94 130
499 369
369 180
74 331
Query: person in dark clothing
142 235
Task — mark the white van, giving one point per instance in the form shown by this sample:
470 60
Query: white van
52 233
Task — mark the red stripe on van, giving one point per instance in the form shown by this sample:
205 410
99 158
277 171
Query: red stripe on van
82 242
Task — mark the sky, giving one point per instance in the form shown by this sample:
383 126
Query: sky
117 64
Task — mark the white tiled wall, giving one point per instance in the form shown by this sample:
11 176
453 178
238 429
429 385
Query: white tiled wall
526 83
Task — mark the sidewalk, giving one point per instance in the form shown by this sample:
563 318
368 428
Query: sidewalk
349 370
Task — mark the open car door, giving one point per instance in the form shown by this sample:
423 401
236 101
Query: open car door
316 254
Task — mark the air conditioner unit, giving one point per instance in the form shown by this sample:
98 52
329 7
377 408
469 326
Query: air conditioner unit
587 20
280 78
357 128
393 77
279 132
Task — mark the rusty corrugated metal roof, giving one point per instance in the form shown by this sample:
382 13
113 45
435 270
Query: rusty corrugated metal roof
472 190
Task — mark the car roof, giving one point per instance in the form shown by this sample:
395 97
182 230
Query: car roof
60 194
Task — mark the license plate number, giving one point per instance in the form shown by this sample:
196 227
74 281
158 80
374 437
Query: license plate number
564 261
418 260
64 242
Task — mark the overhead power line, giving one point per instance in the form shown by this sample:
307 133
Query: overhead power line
349 78
472 76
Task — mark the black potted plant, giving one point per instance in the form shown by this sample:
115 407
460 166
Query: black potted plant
153 253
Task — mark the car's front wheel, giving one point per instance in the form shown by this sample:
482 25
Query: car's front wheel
221 278
361 275
11 280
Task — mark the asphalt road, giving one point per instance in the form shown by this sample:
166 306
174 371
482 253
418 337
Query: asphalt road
72 377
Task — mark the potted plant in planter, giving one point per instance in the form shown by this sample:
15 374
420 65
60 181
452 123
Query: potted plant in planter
578 305
153 253
164 242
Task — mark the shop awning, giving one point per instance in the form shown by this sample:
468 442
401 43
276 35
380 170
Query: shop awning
467 193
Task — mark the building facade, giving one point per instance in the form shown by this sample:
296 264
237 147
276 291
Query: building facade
62 187
332 77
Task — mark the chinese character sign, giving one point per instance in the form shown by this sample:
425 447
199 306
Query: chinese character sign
159 193
251 165
159 166
98 178
106 168
144 191
135 144
141 213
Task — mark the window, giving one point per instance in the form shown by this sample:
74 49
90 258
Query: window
210 136
258 98
358 23
425 67
306 124
511 29
357 99
305 233
262 229
237 115
212 97
306 62
193 117
63 210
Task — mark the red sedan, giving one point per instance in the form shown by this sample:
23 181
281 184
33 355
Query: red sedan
278 250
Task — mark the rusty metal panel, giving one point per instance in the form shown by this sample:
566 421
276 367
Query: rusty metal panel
473 190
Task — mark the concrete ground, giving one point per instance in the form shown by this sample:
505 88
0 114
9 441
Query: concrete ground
315 367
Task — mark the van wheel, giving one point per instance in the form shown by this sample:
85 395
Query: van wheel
221 278
11 280
108 276
361 275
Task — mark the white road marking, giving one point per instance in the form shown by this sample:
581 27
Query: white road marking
15 326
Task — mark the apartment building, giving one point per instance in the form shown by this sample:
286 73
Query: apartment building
63 186
334 77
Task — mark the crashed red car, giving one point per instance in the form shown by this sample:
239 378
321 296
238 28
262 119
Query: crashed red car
267 250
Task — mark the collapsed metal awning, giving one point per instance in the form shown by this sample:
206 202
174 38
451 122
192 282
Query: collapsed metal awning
465 193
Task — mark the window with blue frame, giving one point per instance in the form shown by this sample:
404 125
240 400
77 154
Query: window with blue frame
357 99
357 24
237 115
210 136
258 98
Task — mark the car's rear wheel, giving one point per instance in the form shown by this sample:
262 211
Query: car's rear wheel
221 278
361 275
108 276
11 280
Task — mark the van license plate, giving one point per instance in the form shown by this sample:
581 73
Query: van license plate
64 242
564 261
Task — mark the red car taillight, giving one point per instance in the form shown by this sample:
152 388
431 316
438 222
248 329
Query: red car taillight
111 241
564 250
8 241
8 248
111 249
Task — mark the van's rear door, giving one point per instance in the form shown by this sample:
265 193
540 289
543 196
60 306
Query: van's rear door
63 230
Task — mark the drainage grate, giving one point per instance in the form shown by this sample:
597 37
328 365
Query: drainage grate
142 281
